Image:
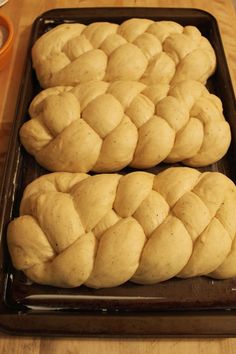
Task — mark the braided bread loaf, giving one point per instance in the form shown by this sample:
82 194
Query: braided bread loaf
138 49
106 229
125 123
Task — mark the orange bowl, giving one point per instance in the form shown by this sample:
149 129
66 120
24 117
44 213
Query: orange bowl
6 49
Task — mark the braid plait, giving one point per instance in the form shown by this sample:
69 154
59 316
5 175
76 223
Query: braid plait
104 127
106 229
138 49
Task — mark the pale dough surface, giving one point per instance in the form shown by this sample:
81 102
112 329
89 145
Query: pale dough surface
104 127
104 230
138 49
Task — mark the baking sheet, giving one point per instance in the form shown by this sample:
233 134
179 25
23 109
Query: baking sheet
158 309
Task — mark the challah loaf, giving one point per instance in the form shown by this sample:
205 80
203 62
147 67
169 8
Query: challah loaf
104 127
138 49
104 230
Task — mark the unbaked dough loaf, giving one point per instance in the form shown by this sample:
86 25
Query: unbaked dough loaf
138 49
104 127
104 230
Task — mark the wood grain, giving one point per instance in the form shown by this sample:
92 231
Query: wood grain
28 345
22 13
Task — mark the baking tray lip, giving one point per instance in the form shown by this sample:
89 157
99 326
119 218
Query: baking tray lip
10 158
104 325
199 11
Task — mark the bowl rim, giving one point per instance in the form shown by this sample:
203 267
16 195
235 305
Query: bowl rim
9 25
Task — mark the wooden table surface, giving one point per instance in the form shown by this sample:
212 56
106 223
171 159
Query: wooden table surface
22 13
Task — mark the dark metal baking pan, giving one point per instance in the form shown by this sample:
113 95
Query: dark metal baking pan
193 307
